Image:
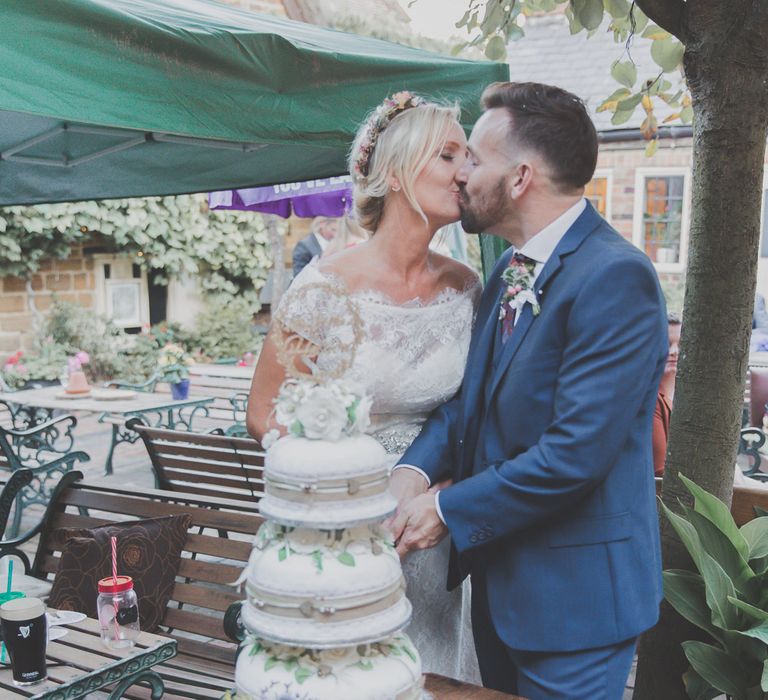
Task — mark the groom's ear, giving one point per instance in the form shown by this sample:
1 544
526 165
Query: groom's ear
520 179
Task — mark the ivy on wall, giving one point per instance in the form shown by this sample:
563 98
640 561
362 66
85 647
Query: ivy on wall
227 250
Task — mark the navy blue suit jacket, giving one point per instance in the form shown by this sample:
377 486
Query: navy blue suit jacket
549 445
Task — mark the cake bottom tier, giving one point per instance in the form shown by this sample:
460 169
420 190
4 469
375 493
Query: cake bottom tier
385 670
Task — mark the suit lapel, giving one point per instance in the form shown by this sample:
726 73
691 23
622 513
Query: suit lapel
587 222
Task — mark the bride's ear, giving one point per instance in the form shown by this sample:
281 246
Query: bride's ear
394 184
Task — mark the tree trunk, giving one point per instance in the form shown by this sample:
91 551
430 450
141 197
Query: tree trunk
727 77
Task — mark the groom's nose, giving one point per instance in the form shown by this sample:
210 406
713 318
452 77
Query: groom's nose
461 174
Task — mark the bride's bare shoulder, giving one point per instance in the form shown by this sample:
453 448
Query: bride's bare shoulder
454 273
349 266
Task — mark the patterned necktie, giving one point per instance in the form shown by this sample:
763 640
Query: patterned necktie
508 322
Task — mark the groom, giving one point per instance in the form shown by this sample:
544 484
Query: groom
552 509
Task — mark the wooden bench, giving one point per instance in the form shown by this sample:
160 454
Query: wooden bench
204 464
204 667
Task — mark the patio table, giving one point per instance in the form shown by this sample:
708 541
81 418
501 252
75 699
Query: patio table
157 410
79 664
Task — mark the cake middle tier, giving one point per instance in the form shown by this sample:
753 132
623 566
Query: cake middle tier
321 588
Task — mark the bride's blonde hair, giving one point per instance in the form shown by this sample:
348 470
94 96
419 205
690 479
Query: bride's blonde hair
400 148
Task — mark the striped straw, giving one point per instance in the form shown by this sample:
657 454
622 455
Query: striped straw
114 580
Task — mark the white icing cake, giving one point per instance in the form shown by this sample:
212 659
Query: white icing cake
324 484
324 588
387 670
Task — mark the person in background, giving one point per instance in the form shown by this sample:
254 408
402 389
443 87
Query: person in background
348 234
663 412
323 230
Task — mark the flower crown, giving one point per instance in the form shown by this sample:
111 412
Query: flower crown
377 122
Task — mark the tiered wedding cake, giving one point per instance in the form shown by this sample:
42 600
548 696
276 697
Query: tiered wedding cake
325 592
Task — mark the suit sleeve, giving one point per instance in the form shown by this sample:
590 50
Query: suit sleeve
301 257
613 351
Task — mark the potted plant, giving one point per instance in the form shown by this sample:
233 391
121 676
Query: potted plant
173 366
726 596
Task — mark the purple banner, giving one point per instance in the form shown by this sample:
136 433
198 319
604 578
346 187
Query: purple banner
327 197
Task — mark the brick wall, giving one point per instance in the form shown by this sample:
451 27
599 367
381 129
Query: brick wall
69 280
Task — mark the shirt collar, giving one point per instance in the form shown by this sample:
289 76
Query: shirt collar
322 242
543 244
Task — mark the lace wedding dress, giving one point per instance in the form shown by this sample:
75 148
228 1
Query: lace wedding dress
408 358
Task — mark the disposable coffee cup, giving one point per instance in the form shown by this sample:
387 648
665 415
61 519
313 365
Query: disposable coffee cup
25 631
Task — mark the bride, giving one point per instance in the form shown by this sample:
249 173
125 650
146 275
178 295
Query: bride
417 309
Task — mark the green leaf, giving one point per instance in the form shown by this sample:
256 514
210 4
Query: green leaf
717 513
409 653
758 632
590 13
751 610
514 32
496 48
641 19
755 533
722 550
365 664
654 32
667 53
686 532
685 592
686 114
317 557
697 688
270 663
716 667
346 558
624 72
718 589
301 674
616 8
651 148
282 553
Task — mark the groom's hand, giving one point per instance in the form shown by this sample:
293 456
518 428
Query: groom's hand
420 525
405 484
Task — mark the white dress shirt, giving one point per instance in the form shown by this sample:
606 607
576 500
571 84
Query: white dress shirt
539 248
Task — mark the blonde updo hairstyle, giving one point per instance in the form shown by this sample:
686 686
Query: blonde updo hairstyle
401 151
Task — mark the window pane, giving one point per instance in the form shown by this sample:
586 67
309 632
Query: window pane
596 192
663 217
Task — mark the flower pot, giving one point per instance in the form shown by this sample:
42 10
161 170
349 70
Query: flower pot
180 390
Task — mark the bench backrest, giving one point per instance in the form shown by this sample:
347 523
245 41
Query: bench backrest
204 464
222 389
218 545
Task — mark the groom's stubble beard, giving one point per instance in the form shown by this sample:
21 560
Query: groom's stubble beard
483 211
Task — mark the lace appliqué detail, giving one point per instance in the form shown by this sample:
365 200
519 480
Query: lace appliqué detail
397 440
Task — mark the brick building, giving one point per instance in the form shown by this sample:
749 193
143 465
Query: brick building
647 200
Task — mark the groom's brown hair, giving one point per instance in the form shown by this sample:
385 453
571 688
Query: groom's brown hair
552 122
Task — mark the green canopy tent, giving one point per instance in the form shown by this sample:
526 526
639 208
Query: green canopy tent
123 98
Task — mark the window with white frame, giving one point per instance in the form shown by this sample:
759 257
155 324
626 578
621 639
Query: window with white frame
662 203
598 192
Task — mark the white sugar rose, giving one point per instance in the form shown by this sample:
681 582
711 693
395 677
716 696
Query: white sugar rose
322 416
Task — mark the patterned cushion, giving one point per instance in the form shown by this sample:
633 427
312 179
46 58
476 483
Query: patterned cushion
147 550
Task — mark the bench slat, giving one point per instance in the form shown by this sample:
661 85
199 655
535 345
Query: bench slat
212 453
253 486
205 597
208 467
205 625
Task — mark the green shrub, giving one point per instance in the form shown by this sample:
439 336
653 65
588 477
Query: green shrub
727 598
225 329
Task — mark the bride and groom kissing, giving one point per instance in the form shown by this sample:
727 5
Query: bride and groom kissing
518 420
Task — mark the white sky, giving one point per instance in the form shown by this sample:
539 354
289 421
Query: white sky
436 18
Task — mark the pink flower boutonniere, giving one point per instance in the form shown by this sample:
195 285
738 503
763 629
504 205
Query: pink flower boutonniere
519 280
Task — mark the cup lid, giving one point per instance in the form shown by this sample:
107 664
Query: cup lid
22 609
115 585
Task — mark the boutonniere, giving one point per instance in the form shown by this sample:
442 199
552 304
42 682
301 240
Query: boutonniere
519 280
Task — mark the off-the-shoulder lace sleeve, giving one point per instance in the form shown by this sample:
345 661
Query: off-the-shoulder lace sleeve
303 305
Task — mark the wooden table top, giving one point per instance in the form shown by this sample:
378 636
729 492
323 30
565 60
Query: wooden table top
79 664
449 689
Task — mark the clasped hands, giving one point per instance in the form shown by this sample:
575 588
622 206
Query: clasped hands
416 525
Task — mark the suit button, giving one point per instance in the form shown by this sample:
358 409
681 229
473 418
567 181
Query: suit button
473 538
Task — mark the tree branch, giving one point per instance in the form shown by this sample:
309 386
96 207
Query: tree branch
668 14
